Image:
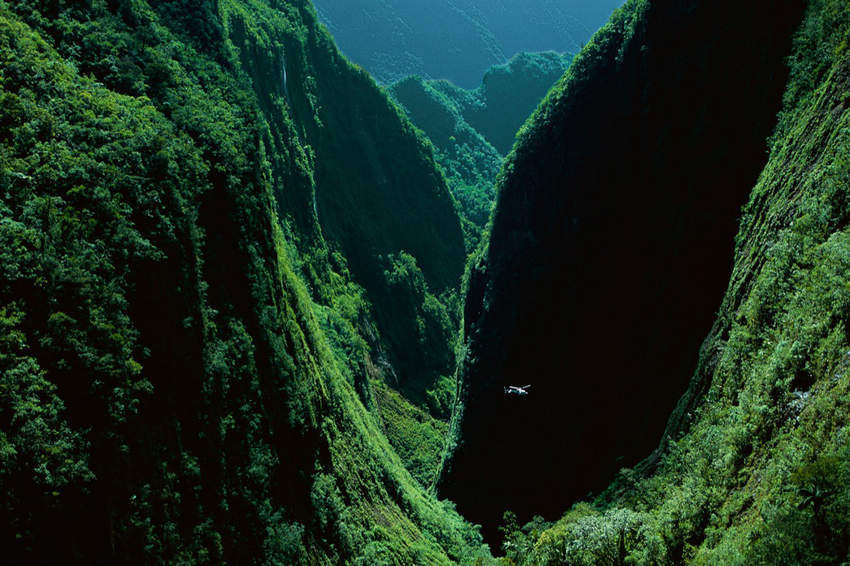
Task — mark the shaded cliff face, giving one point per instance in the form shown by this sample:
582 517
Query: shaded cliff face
758 468
377 191
610 249
184 359
469 161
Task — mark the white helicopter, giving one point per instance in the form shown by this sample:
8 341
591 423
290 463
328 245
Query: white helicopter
517 391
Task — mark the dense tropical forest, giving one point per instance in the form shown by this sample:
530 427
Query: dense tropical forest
194 368
257 308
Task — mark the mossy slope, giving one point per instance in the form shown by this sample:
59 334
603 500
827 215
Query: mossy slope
173 385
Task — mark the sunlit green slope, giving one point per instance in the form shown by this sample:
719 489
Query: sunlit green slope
188 342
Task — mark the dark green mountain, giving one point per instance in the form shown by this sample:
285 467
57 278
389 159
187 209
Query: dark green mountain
755 467
217 238
457 40
507 95
469 161
609 251
505 99
232 274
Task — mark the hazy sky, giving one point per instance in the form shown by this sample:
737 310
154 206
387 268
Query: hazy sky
456 39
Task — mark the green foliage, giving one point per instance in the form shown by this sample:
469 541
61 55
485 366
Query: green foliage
420 332
415 435
518 541
585 537
755 465
441 398
42 459
467 126
469 162
816 530
359 311
169 389
284 542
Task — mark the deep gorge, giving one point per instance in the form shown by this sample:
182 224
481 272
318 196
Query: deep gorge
255 307
609 253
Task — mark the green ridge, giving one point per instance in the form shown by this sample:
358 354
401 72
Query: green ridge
466 126
756 460
185 360
229 273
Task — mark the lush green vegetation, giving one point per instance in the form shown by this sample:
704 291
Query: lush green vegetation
229 271
609 252
185 361
469 161
468 154
366 220
414 433
755 462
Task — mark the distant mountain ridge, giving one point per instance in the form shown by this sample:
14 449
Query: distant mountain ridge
456 39
472 130
508 94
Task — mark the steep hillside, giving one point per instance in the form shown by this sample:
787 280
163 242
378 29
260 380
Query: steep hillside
469 161
456 40
508 95
505 99
229 291
610 248
185 361
757 468
378 193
